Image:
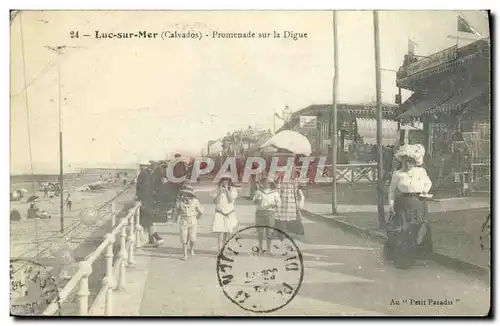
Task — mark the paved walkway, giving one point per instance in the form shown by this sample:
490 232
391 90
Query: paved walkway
444 205
344 275
456 224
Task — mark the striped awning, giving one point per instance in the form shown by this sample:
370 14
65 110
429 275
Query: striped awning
464 95
419 104
367 130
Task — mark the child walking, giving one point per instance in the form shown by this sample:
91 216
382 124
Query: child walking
225 221
267 200
187 212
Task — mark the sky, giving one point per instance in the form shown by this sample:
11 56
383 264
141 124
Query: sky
138 99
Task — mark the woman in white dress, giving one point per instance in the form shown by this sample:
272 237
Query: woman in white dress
225 221
408 230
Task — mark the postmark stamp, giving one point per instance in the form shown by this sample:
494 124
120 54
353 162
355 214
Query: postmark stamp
257 281
32 288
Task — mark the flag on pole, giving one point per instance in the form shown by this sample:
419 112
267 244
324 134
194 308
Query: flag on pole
411 46
464 26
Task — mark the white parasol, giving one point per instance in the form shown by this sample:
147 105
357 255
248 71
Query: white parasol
291 141
268 149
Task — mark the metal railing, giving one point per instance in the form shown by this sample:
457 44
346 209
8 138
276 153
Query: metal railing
129 232
351 174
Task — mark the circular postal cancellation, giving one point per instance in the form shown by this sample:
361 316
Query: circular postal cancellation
32 288
255 280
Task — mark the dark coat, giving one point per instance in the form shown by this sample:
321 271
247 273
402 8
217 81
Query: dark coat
144 188
166 195
180 170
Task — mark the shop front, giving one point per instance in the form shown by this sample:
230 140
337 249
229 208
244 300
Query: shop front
452 99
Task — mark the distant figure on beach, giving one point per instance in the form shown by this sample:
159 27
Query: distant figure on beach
34 212
69 202
15 215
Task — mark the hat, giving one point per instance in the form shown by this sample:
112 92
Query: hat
226 175
269 178
143 163
188 190
415 152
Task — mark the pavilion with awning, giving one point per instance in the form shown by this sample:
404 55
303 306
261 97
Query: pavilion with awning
452 98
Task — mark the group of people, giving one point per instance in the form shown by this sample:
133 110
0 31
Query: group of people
278 204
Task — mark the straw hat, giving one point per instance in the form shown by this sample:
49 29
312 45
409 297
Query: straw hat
144 163
188 190
226 175
415 152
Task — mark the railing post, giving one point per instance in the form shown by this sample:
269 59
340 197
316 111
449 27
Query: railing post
138 227
108 281
113 213
131 237
83 289
123 256
108 304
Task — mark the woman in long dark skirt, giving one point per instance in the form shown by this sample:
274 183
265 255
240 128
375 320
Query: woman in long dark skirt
409 235
145 194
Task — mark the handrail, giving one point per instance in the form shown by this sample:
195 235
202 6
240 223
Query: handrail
128 242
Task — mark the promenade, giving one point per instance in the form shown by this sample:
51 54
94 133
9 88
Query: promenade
344 275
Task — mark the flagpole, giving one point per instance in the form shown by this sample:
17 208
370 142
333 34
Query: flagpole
61 174
458 31
26 98
378 83
462 38
333 114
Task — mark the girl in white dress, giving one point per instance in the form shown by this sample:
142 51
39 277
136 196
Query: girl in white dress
225 221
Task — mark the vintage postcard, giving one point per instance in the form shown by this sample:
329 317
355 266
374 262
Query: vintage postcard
250 163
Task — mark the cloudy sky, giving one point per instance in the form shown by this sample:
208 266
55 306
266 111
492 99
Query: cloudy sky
127 100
